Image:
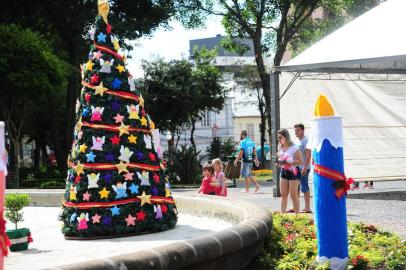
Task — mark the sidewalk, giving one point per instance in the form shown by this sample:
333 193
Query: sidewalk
384 205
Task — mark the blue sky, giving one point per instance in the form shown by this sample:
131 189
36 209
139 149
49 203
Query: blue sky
171 44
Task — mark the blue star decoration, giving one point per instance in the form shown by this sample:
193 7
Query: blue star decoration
101 37
116 83
108 177
154 191
115 210
140 155
134 188
115 106
106 220
73 217
109 157
85 112
90 157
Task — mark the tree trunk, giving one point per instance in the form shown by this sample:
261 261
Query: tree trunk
263 130
71 97
37 156
60 153
265 79
16 146
192 141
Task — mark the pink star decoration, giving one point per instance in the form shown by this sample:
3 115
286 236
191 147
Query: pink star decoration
130 220
96 218
97 55
86 196
129 176
119 118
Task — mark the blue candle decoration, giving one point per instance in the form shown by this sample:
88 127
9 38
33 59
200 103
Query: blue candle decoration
330 209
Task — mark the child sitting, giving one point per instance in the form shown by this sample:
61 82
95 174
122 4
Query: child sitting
221 187
209 182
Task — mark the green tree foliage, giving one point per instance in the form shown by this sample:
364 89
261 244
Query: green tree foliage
270 25
183 165
220 149
167 92
66 23
178 92
14 204
31 75
335 14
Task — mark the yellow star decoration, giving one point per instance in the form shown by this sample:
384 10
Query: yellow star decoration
122 167
132 139
100 89
78 126
104 193
144 198
141 101
133 115
167 193
123 129
151 124
144 121
83 148
116 45
120 68
89 65
79 168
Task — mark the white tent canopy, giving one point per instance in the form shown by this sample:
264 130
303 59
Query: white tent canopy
374 113
372 43
374 122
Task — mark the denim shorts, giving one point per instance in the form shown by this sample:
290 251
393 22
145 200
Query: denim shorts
304 182
246 169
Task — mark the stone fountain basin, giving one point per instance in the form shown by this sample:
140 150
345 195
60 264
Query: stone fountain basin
212 233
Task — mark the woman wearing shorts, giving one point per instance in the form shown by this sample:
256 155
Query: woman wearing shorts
289 159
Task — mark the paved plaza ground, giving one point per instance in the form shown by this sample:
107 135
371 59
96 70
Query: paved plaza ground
50 249
384 205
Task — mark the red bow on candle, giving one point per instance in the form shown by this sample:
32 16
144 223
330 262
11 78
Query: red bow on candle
342 185
4 241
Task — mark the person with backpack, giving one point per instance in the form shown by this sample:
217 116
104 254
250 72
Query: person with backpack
248 155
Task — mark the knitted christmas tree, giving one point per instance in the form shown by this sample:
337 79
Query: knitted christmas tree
115 184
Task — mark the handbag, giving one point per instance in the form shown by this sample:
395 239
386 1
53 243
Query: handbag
232 171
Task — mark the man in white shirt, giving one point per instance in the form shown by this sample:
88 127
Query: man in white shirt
305 167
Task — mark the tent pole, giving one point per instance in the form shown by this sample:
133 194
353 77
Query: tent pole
275 126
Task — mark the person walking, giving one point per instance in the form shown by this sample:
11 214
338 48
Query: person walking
289 159
248 155
305 166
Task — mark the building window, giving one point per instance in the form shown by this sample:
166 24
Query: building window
250 131
206 119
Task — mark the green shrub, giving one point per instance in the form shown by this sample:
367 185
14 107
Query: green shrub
220 149
292 245
183 165
14 204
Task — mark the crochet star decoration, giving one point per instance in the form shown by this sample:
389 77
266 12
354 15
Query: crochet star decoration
123 129
122 167
144 198
100 89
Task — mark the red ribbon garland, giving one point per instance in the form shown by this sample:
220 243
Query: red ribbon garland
87 205
113 92
336 176
4 241
104 49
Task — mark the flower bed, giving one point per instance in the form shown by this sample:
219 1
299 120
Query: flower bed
263 172
292 245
